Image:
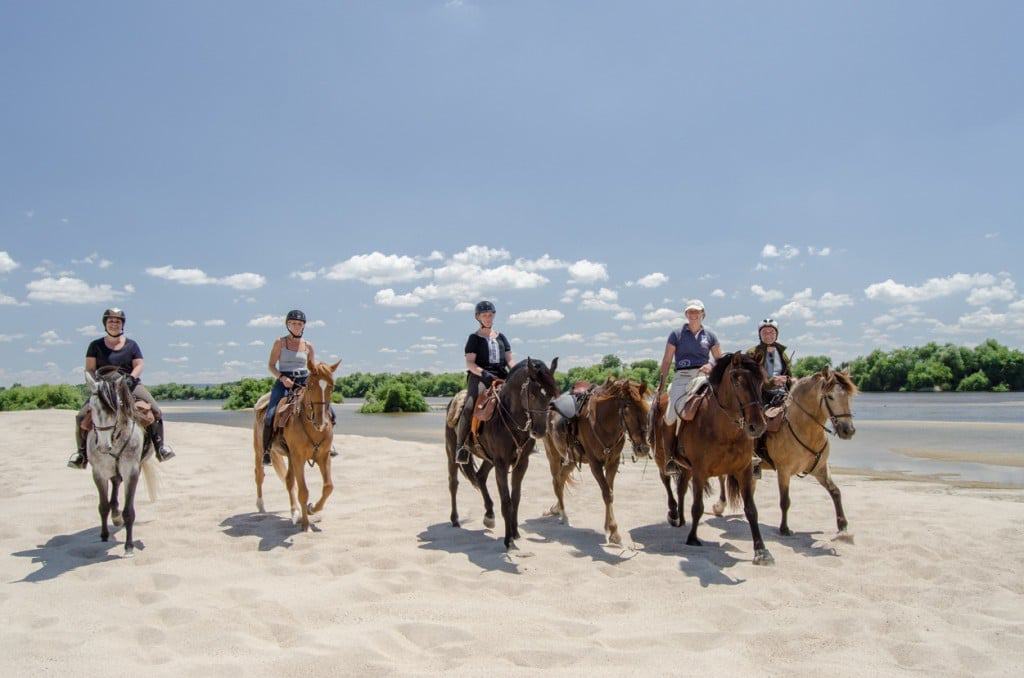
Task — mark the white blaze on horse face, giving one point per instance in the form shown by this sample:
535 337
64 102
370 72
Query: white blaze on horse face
323 387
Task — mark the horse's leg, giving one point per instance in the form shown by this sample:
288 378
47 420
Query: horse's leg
101 486
300 480
501 475
115 508
823 474
453 472
517 484
129 511
481 477
682 482
746 482
557 479
719 506
673 507
611 525
697 510
328 488
257 447
784 479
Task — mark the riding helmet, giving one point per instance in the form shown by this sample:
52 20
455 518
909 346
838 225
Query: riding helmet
114 313
485 307
295 315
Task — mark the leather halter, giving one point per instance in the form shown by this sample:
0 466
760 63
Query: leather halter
740 421
833 417
621 400
506 416
113 436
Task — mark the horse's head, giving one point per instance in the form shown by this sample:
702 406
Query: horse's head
738 379
316 401
531 386
634 410
837 392
111 403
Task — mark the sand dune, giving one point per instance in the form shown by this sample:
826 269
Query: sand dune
932 585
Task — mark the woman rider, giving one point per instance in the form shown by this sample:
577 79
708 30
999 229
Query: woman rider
488 357
691 349
118 351
291 361
772 355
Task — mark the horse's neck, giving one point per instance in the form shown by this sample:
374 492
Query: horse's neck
809 417
725 409
604 421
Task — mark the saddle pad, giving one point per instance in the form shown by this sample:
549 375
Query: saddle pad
775 416
455 408
692 403
565 405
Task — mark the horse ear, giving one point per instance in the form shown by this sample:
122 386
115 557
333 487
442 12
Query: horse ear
90 381
554 365
335 366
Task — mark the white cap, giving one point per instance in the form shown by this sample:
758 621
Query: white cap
695 305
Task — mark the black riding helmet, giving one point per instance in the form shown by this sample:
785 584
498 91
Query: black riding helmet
114 313
295 314
485 307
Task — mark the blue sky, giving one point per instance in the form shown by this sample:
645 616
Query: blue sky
850 168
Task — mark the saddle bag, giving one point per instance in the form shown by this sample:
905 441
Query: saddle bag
486 402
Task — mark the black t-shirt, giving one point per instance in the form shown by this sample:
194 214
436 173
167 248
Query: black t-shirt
121 358
480 346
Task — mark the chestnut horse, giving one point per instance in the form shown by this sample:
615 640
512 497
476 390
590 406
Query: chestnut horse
505 441
307 437
719 441
611 411
800 447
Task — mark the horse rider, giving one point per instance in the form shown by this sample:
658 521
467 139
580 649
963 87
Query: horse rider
488 357
776 362
116 350
692 349
291 361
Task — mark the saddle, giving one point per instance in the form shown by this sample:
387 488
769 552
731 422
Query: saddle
287 406
571 402
485 404
775 416
143 414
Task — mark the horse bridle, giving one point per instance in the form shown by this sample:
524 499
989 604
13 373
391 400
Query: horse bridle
741 421
625 427
833 417
506 416
113 436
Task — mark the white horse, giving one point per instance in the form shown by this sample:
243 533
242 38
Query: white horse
116 447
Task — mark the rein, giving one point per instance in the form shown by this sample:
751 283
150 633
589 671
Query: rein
506 416
832 417
740 421
127 438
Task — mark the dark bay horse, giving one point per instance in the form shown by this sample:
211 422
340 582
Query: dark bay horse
506 441
719 441
611 412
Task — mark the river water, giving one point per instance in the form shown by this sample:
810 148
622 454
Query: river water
958 437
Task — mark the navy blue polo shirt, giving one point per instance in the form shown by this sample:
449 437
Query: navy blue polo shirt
692 350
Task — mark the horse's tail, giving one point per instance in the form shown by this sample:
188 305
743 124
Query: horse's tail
151 476
707 488
732 492
279 468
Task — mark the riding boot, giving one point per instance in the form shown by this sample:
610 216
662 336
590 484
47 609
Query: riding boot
760 455
462 453
156 435
674 463
79 459
268 436
334 422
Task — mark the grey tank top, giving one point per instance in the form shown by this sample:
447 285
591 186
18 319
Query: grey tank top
292 361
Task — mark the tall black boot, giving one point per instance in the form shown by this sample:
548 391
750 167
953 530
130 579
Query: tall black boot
78 459
156 435
268 435
462 453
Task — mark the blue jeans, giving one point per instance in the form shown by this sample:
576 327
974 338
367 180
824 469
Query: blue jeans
278 392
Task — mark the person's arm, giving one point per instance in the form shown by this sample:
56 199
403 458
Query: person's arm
716 354
275 354
137 365
90 365
666 362
508 353
471 365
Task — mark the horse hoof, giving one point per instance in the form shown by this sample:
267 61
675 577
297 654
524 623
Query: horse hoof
260 507
564 520
104 537
315 517
117 520
296 517
693 541
614 538
674 522
129 554
511 546
553 511
843 536
455 523
718 508
489 522
785 532
762 557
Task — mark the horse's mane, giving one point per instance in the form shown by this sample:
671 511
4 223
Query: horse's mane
739 360
844 380
323 370
542 370
612 388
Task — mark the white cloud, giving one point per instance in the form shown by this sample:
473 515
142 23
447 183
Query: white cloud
436 255
718 292
625 315
89 330
933 288
569 295
316 323
7 300
377 269
177 361
825 323
729 320
195 276
823 252
770 251
70 291
214 322
265 321
7 264
760 267
545 263
795 309
478 255
585 271
432 321
180 344
464 306
651 280
182 323
8 338
568 337
831 301
387 350
50 338
256 342
303 275
766 295
1006 290
536 317
603 299
387 297
94 258
662 317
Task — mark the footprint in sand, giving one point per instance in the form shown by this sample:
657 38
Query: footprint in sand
43 622
176 616
150 635
539 659
165 581
150 597
428 636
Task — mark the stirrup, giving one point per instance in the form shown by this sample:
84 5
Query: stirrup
266 457
462 455
78 460
164 453
334 452
673 468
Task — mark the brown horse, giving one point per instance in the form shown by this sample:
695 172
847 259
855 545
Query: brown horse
610 413
505 442
800 447
719 441
307 437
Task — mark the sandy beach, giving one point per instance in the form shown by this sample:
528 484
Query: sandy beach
385 586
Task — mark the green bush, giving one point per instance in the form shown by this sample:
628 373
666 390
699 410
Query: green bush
247 392
43 397
930 374
1000 388
394 395
974 382
808 365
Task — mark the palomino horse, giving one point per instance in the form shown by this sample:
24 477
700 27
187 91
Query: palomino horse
307 438
610 413
116 449
800 446
719 441
506 441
